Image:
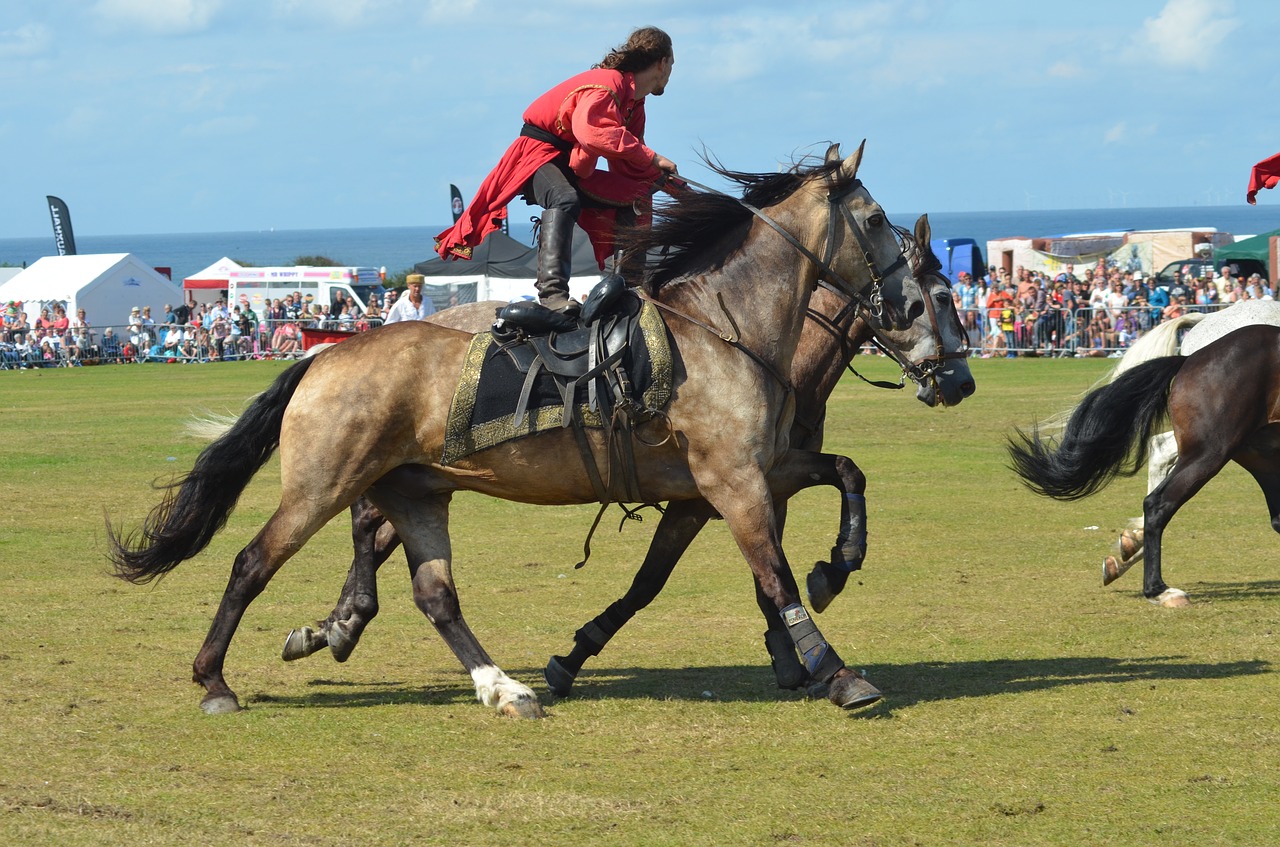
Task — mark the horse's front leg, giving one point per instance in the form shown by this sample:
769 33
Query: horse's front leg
801 469
373 542
748 508
680 524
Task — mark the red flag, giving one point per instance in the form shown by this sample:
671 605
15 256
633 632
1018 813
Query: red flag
1266 174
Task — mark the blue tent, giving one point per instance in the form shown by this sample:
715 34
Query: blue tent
959 254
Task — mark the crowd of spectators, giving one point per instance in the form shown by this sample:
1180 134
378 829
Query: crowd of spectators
187 332
1099 312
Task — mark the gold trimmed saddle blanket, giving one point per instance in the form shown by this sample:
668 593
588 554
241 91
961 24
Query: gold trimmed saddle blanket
511 389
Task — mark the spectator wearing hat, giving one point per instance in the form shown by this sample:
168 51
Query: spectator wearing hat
412 306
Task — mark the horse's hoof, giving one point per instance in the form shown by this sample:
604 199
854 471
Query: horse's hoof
300 643
558 678
1130 543
526 708
220 704
818 588
340 641
1110 570
1172 598
852 691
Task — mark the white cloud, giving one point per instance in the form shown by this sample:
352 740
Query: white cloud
1188 33
28 40
161 17
1116 134
1065 70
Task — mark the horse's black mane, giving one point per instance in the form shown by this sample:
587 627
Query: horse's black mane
695 231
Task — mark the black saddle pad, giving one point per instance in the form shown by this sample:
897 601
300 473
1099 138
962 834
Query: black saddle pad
482 414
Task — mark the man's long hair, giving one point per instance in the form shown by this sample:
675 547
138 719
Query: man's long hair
645 47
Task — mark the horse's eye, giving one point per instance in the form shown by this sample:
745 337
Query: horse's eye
875 220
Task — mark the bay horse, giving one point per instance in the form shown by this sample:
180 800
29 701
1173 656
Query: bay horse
733 287
1223 402
832 336
1185 334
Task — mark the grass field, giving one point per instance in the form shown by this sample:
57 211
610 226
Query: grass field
1025 704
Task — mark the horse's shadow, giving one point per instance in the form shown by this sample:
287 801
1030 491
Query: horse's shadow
904 685
1262 589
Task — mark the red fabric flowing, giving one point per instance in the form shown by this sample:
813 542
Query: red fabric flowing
1265 174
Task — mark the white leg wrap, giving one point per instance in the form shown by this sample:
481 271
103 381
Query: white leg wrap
495 689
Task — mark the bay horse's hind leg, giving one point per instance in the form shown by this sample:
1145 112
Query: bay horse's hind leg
373 540
1197 465
423 525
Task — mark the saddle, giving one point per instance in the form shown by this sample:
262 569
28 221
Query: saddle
612 372
585 358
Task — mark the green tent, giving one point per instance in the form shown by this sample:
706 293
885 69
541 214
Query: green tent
1250 255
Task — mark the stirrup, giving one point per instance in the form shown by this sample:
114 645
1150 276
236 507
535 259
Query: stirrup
534 318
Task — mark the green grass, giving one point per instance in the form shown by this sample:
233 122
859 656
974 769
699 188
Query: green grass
1025 704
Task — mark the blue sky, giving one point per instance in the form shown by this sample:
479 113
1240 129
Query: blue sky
158 116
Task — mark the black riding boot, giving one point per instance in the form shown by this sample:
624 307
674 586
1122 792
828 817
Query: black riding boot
555 246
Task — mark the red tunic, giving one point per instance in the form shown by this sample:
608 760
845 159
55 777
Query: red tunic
598 113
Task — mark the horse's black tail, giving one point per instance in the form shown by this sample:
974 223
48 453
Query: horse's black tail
197 505
1111 425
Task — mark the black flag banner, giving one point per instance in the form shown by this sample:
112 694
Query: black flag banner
455 200
62 234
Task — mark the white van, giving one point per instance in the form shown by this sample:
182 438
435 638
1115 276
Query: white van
260 286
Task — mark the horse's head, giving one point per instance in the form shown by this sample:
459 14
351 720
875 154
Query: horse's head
866 256
933 349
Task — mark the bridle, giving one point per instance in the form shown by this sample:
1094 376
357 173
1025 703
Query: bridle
873 302
920 370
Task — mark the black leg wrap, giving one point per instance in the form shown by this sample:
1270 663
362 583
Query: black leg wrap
786 666
818 656
851 543
592 638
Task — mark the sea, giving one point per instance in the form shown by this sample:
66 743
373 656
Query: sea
399 248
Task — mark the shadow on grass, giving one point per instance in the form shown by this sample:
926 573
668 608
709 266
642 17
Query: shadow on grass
904 685
1226 592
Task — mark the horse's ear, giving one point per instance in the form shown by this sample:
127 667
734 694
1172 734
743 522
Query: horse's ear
923 232
833 154
850 166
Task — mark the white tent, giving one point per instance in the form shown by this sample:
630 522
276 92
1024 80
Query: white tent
105 285
208 285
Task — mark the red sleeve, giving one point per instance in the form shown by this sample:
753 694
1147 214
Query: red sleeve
598 128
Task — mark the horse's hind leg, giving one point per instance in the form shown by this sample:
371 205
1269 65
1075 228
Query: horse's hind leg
423 525
1193 469
373 541
680 524
284 534
1128 549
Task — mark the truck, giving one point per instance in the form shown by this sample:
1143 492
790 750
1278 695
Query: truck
325 286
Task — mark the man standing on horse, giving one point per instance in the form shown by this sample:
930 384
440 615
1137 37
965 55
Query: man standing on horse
596 114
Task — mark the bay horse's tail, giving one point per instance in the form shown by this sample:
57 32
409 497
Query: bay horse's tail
197 505
1105 437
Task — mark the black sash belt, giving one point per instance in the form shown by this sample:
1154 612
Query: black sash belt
537 133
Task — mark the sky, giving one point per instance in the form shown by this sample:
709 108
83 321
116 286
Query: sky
172 116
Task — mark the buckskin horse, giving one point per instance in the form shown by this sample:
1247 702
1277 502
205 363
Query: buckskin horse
1224 404
734 287
932 351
